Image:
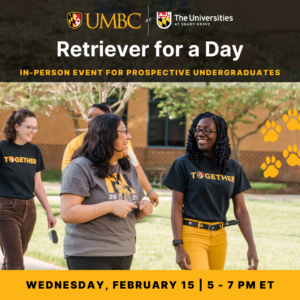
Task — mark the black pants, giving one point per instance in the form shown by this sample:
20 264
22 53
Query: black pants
99 263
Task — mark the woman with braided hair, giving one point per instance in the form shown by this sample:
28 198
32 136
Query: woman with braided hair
202 182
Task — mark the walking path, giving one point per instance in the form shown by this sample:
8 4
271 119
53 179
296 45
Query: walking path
35 264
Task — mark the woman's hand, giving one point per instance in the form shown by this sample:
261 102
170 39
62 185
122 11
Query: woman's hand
51 220
121 208
252 259
153 198
182 258
146 207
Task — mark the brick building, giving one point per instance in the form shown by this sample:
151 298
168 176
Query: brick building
158 141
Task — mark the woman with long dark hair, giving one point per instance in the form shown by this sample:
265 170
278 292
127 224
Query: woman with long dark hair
97 110
21 163
101 199
202 183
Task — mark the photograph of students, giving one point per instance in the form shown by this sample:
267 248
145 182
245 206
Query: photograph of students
100 109
202 182
101 199
21 163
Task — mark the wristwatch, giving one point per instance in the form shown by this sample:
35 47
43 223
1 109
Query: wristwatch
177 242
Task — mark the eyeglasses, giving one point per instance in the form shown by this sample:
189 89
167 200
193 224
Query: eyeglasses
30 128
206 131
125 130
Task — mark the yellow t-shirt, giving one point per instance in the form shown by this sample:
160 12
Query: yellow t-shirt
77 142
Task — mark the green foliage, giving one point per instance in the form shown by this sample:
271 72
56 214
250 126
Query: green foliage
235 102
51 176
74 97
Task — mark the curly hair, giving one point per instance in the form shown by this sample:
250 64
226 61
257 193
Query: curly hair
222 146
17 117
98 144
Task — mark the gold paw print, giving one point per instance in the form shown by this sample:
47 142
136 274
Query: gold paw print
271 170
292 123
270 135
293 159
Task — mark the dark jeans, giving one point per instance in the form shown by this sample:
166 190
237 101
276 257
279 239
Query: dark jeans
17 219
99 263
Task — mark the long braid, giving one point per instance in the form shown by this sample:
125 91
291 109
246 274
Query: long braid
222 146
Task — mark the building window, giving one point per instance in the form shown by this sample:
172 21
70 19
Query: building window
164 132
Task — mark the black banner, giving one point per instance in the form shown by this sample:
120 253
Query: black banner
167 41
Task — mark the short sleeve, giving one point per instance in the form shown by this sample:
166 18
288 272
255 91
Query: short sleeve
133 158
75 181
70 149
176 178
241 182
67 156
39 160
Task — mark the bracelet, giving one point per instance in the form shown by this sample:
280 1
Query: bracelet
150 192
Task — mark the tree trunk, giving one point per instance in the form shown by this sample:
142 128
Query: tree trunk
236 144
237 155
76 126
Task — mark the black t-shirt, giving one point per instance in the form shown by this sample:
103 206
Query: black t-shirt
206 191
18 165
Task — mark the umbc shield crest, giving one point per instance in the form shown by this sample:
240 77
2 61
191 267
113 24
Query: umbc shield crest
164 19
74 19
200 175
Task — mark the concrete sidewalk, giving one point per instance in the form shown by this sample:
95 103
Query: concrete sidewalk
35 264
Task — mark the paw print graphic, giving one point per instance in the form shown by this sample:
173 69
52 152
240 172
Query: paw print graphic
271 134
293 159
292 120
270 167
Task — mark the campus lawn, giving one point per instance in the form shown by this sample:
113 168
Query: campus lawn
275 226
266 186
51 176
54 176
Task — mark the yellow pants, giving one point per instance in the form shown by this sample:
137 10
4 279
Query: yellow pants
206 249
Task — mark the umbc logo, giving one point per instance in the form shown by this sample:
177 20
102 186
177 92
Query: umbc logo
164 19
200 175
74 19
116 21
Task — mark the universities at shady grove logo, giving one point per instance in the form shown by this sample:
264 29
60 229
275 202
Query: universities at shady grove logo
200 175
164 19
74 19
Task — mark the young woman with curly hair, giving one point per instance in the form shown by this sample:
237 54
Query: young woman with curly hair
21 163
202 183
101 199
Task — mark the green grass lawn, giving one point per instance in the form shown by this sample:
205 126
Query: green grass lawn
267 186
275 226
52 192
51 175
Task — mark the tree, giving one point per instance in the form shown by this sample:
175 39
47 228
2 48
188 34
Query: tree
235 102
75 98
